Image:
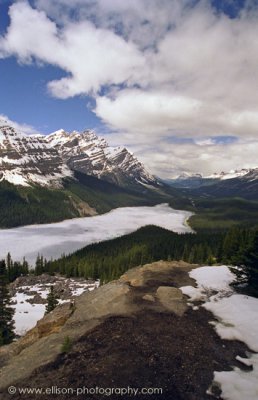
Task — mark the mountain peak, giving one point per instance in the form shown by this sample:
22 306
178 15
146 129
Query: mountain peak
46 159
3 122
233 173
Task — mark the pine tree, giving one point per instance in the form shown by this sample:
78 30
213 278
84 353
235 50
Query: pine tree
6 312
39 265
52 301
25 266
250 260
9 264
231 244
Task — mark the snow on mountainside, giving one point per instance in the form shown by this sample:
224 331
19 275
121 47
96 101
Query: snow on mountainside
243 183
244 172
90 154
45 160
28 159
188 175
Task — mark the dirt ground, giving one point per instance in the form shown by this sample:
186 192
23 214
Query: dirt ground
147 350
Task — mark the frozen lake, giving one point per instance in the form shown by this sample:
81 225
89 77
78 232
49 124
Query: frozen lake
53 240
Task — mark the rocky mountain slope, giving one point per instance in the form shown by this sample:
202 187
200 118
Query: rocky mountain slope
86 152
138 331
45 160
29 159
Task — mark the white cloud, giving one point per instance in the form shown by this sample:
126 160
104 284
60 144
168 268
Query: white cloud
207 61
136 110
27 129
170 159
142 21
91 57
156 68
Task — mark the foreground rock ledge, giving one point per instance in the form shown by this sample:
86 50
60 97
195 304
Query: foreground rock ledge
135 331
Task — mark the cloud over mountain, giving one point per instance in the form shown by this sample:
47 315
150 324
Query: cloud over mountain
155 69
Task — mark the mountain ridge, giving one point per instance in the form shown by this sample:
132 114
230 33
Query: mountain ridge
46 159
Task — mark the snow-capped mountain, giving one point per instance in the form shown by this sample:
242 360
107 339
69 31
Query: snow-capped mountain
242 182
238 183
244 172
86 152
45 160
188 175
29 159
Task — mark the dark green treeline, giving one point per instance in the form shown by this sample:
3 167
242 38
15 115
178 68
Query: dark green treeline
108 260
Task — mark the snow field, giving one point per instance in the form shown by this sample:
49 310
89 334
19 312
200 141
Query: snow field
27 314
237 319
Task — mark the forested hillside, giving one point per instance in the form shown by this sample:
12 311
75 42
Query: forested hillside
222 213
37 205
108 260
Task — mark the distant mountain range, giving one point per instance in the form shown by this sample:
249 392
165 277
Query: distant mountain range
46 160
238 183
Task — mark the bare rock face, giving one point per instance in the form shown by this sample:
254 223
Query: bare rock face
51 323
172 298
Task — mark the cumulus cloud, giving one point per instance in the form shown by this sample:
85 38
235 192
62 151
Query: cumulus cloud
147 111
170 159
155 68
91 57
142 21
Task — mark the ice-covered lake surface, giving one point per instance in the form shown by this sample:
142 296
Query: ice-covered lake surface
53 240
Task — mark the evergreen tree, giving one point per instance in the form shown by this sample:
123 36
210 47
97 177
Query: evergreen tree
25 266
9 265
231 244
39 266
52 301
250 260
6 312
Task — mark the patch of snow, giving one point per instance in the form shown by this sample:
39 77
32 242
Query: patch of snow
79 290
237 319
231 174
238 384
245 361
209 279
15 176
26 314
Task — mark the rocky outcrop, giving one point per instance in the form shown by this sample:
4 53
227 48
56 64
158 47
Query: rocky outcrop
123 297
172 299
136 331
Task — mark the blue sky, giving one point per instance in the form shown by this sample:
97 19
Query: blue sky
26 99
178 76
